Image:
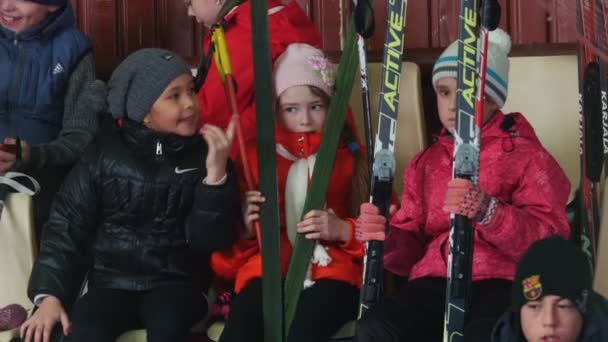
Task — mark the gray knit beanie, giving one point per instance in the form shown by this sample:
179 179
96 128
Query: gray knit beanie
140 79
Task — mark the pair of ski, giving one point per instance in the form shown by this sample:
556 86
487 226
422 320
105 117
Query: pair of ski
592 27
467 133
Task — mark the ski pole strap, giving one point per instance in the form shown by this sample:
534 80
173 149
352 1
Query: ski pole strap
364 18
315 198
272 290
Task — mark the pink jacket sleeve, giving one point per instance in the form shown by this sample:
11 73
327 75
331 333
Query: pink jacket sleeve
404 244
537 209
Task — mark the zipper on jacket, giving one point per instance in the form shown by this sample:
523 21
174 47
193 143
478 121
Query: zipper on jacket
159 148
14 89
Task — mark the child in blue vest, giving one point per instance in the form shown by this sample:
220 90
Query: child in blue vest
45 63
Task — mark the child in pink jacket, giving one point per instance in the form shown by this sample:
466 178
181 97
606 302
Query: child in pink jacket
521 198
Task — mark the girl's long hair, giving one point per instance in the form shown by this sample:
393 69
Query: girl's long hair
360 180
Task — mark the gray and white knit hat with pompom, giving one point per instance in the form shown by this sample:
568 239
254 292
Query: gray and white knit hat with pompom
497 77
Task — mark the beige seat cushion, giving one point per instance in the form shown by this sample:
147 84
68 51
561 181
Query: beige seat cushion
545 90
17 250
215 330
411 134
6 336
133 336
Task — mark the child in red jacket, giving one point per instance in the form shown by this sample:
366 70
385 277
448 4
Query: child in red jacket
287 24
521 197
304 86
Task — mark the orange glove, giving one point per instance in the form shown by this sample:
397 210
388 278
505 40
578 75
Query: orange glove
467 199
371 225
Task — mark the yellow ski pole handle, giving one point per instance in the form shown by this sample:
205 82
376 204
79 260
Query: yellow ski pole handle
222 59
224 68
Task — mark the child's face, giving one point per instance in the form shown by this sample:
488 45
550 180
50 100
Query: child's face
176 110
446 104
301 111
204 11
20 15
550 319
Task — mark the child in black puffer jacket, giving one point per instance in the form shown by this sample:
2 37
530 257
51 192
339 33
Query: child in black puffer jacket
139 212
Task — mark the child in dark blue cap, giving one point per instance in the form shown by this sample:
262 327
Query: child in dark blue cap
552 298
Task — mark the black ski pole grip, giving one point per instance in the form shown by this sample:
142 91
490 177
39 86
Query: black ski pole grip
592 110
490 14
365 28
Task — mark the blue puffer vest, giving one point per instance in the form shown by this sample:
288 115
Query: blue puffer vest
36 66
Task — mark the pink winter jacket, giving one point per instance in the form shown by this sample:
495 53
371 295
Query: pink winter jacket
515 168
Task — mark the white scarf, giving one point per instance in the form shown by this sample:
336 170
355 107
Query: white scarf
296 188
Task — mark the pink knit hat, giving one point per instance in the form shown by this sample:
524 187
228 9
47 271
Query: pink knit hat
302 64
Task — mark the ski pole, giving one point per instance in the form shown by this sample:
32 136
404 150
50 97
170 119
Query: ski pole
365 29
224 68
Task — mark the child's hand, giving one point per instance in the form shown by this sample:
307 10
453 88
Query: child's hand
40 326
371 225
8 156
219 143
324 225
251 212
465 198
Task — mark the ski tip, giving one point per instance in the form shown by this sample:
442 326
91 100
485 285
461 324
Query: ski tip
490 14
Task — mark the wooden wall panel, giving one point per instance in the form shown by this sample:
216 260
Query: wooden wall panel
118 27
99 19
563 19
139 25
443 16
177 32
417 28
328 16
529 22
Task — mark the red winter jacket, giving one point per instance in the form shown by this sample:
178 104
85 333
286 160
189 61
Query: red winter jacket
243 261
287 26
515 168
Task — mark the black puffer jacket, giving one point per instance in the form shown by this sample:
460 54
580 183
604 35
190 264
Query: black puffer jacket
135 214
